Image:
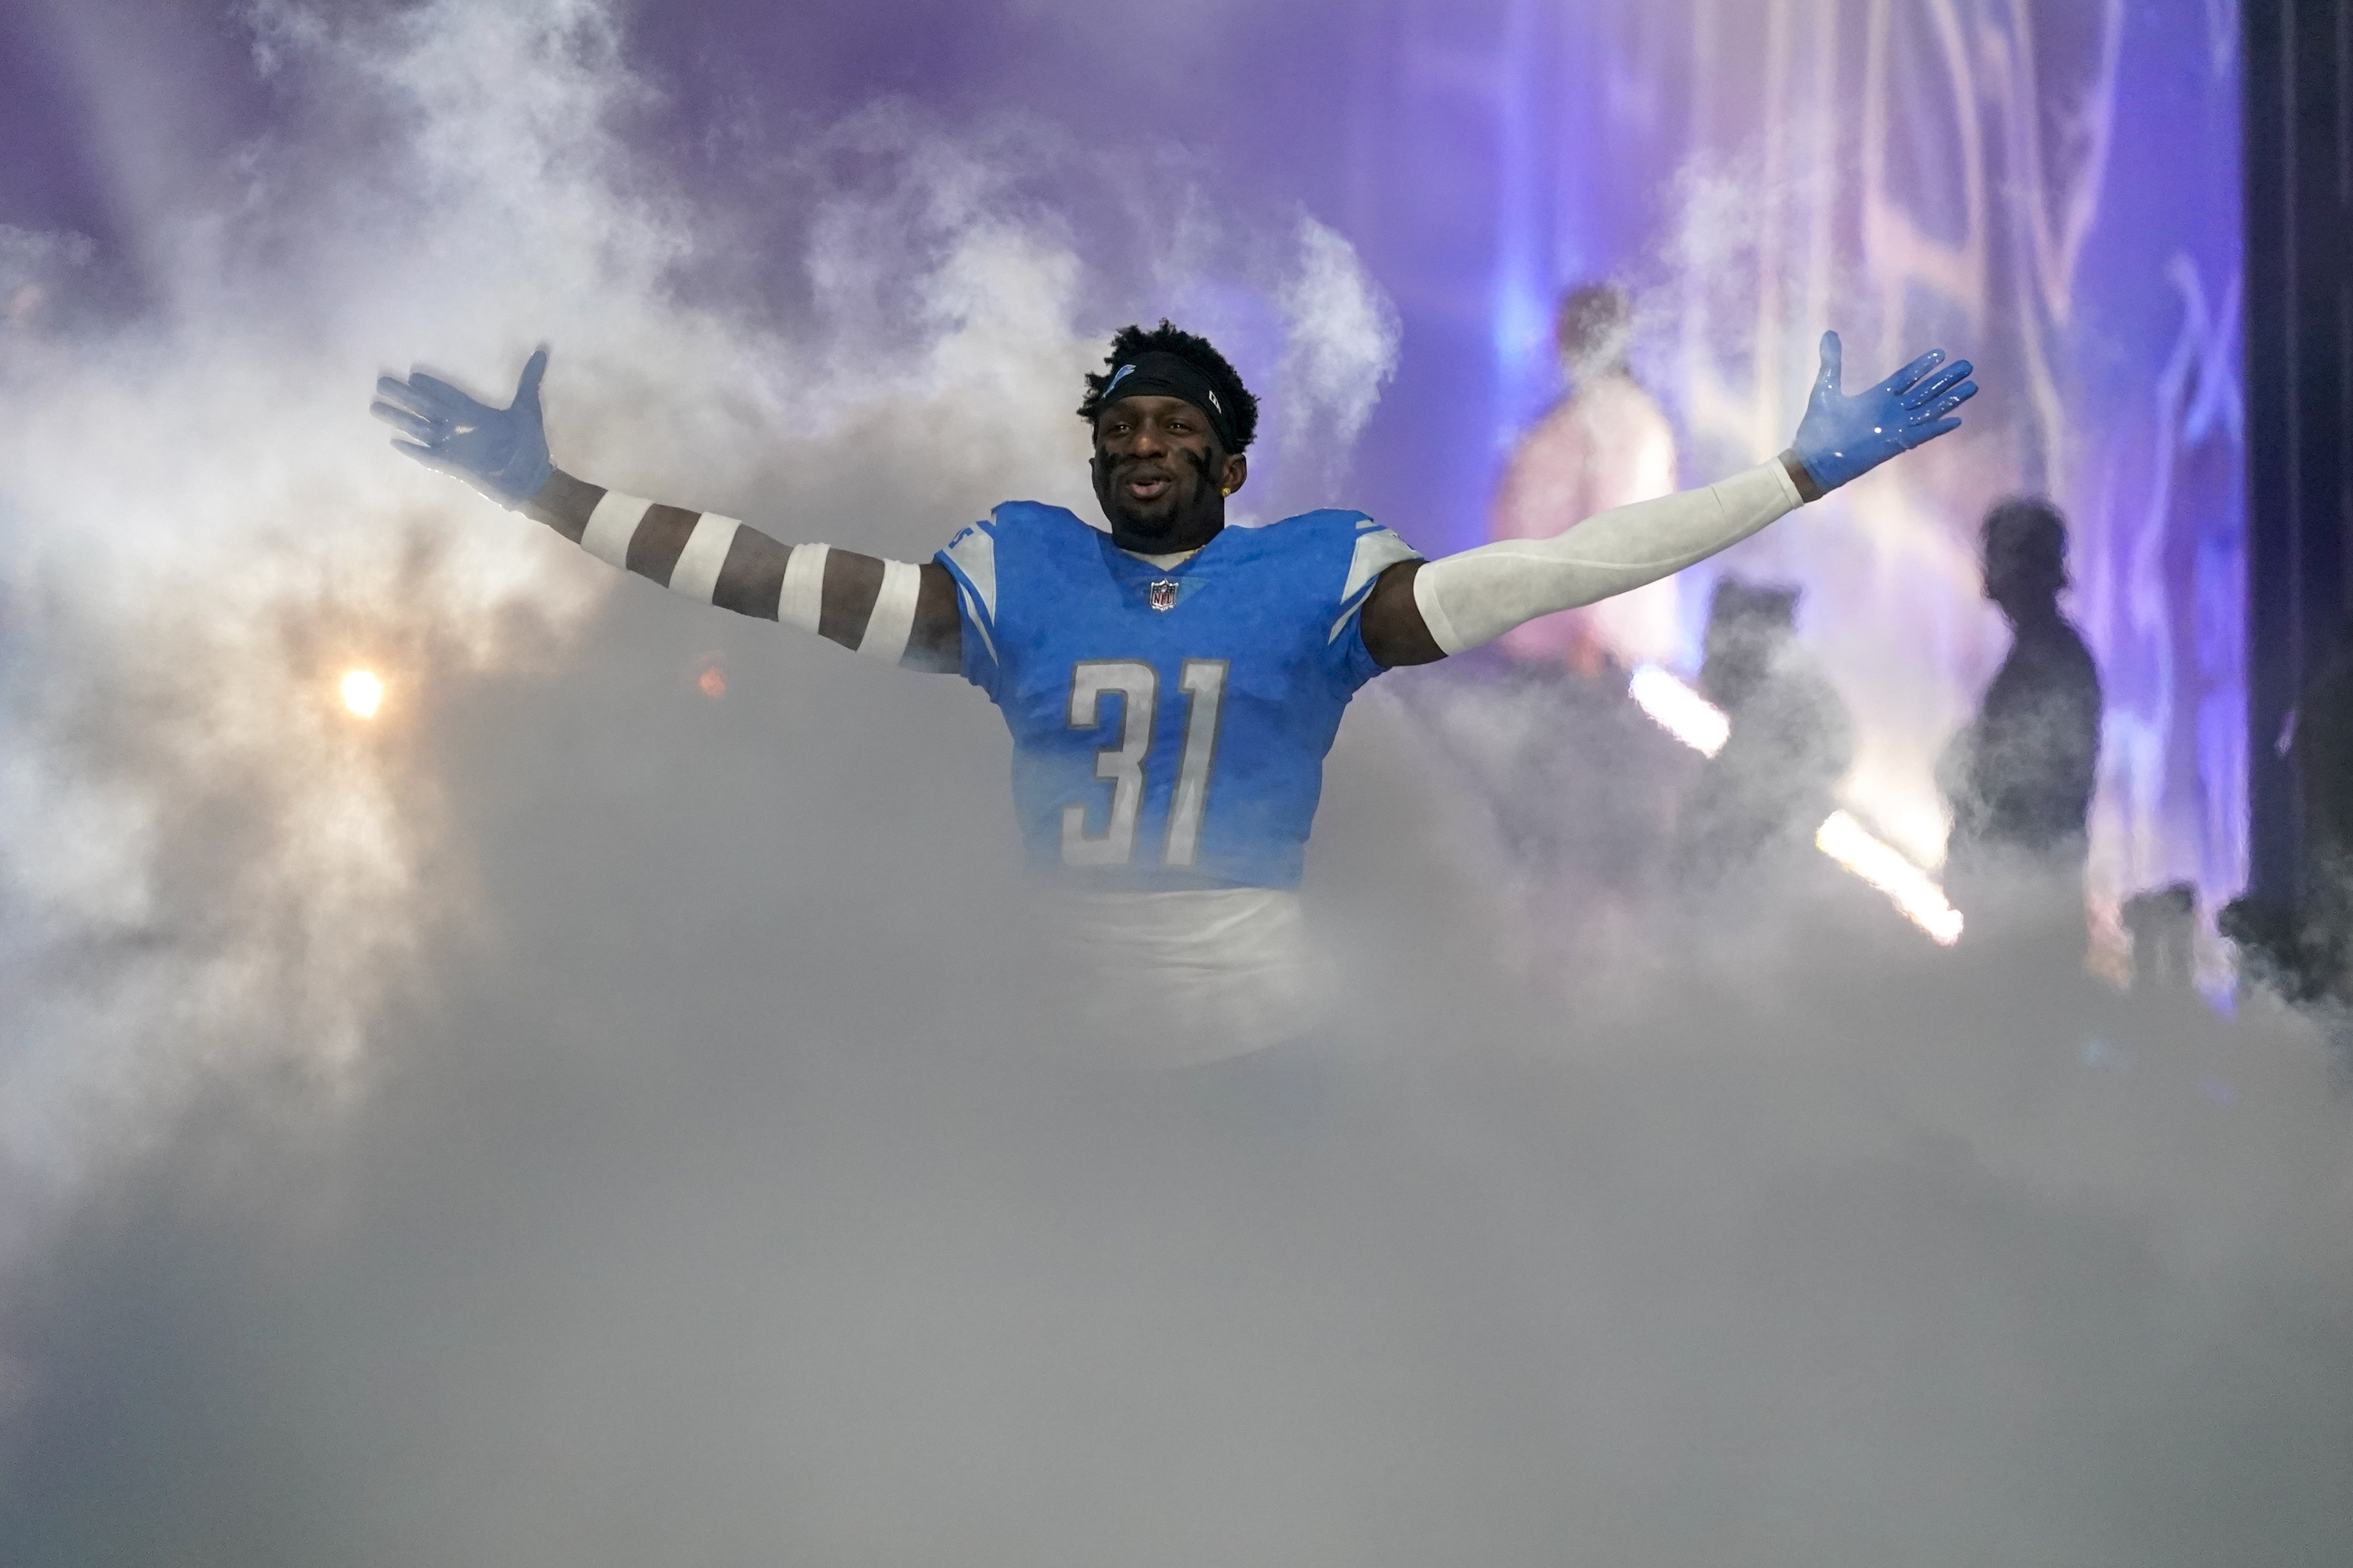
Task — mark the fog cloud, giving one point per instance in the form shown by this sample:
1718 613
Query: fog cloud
577 1119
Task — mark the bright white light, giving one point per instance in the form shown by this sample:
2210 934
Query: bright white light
1920 900
1701 725
363 693
1681 712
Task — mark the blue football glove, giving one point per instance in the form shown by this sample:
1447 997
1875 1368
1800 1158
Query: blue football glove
502 452
1843 438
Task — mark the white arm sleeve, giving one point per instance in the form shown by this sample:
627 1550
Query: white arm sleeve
1478 596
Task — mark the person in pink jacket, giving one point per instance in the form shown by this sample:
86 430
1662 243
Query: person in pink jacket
1604 446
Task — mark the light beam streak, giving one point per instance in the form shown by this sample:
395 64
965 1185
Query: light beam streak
1679 710
1910 888
1702 726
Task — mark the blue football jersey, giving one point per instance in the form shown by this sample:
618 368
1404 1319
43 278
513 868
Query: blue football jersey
1170 726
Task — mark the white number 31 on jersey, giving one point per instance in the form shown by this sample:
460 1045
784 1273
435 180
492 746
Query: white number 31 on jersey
1137 684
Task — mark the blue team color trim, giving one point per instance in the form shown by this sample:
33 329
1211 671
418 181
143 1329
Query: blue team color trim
1040 593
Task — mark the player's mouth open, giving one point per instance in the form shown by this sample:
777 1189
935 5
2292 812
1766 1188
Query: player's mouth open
1148 487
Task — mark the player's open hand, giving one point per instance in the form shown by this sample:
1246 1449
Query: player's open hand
1842 438
502 452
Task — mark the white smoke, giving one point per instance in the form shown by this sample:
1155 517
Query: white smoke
205 533
1342 333
576 1119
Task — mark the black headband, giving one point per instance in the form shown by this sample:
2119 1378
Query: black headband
1162 374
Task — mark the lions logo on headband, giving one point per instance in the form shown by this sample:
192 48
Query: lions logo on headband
1160 375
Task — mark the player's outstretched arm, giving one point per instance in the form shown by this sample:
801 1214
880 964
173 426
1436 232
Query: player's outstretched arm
1422 611
890 609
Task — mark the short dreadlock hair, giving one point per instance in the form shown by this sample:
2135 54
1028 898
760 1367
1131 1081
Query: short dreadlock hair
1240 409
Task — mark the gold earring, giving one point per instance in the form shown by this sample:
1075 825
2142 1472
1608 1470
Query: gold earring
1227 491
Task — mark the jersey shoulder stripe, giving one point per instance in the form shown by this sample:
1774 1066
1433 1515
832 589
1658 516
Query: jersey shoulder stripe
971 561
971 558
1377 550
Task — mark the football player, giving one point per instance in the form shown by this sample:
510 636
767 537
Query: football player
1172 684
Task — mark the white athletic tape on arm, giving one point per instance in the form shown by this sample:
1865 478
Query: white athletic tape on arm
612 525
696 572
893 620
802 598
1473 598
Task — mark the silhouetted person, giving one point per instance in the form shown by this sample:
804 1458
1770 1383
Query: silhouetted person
1605 444
2303 950
2019 777
2163 925
2322 749
1760 800
2322 753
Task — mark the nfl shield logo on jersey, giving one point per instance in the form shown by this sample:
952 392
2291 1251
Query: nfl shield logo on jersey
1164 595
